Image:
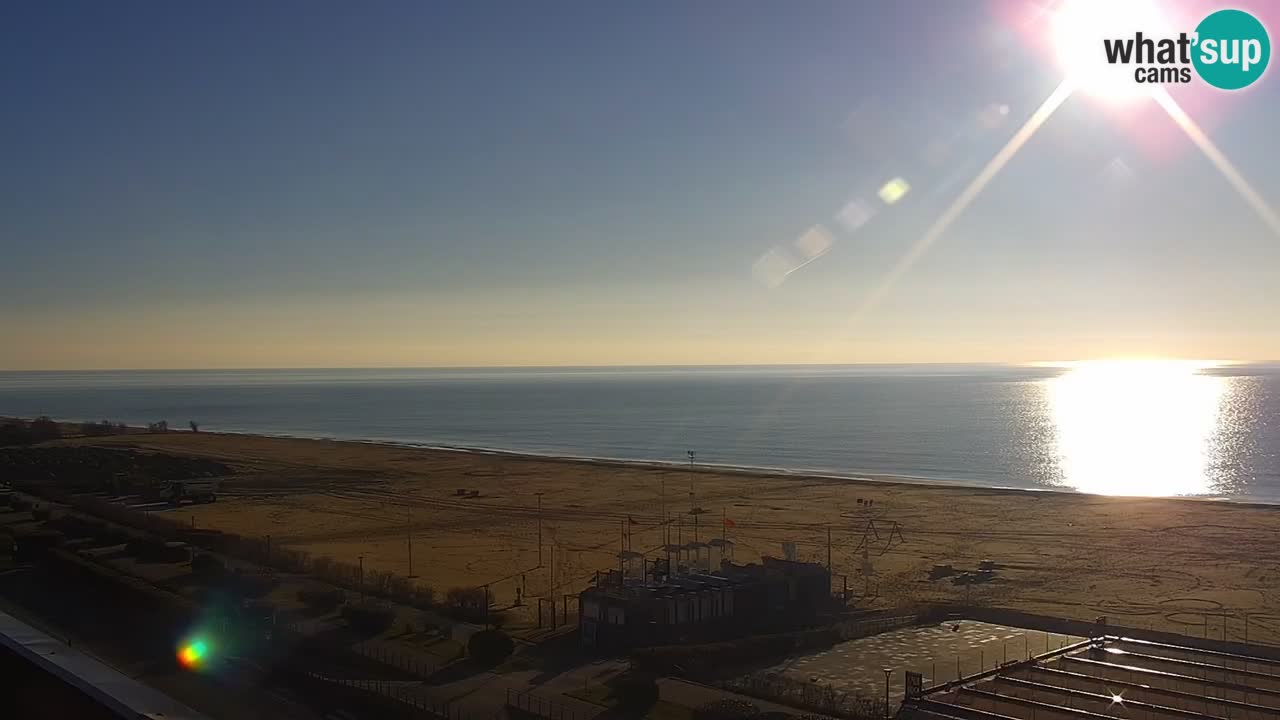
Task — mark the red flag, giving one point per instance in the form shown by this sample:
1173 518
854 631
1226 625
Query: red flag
728 522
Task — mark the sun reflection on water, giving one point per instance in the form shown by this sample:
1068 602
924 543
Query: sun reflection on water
1137 427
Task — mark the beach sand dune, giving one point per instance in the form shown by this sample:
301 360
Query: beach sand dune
1184 565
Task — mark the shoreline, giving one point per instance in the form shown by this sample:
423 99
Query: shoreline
746 471
545 526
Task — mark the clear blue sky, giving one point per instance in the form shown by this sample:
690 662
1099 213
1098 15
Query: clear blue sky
330 184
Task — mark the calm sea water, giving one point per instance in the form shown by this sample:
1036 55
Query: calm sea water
1167 429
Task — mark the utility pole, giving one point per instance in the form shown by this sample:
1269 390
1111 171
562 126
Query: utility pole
828 549
539 528
662 503
361 578
408 532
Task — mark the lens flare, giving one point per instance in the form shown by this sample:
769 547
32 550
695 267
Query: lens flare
193 654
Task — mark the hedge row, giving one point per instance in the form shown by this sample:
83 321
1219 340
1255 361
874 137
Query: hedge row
695 659
261 551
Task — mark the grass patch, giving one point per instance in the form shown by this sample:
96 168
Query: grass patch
601 695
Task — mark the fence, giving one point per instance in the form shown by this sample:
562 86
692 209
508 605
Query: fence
398 691
541 707
417 664
854 629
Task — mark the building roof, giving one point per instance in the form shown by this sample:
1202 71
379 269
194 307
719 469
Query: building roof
105 685
727 576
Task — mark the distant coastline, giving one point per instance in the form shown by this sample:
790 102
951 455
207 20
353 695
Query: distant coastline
1002 427
709 469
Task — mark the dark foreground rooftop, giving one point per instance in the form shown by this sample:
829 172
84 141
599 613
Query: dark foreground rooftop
1112 677
55 680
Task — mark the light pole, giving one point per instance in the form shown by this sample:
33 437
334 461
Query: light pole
887 673
539 528
408 531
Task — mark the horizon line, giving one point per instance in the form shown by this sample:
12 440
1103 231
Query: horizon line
660 366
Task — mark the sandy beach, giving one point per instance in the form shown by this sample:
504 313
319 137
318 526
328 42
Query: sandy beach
1176 564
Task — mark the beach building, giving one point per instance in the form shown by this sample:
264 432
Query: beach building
696 602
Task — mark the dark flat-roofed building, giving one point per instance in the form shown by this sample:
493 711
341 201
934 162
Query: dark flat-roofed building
733 599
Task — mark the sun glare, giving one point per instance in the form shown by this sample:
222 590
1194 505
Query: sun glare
1136 427
1079 28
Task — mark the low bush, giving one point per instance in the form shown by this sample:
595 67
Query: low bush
369 617
728 709
324 599
490 647
75 526
144 548
208 566
815 697
699 658
466 604
253 585
635 690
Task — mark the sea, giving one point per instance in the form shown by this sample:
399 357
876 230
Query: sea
1114 428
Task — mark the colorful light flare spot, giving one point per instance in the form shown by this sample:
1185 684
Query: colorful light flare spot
192 655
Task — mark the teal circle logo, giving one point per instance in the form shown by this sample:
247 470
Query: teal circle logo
1232 49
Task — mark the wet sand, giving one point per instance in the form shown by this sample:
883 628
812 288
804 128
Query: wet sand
1179 565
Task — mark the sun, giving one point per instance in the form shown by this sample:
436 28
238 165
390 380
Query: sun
1078 29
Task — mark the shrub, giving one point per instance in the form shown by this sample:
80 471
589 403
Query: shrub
42 429
490 647
467 604
15 433
325 599
259 611
368 617
74 526
816 697
727 709
144 548
205 565
636 690
253 585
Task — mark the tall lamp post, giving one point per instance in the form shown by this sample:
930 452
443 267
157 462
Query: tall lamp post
887 673
539 528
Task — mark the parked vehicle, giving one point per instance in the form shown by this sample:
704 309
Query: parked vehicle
197 491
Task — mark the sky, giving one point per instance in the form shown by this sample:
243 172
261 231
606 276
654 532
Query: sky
402 184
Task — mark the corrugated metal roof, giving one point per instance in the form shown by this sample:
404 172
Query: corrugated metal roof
109 687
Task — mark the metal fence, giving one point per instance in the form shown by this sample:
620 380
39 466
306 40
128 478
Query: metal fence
400 691
418 664
542 707
854 629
